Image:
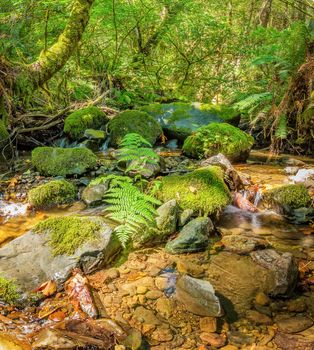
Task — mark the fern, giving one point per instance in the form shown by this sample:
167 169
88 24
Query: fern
253 101
133 153
131 208
282 130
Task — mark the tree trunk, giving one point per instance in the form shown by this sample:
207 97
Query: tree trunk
265 13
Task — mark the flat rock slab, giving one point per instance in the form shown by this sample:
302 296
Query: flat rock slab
29 259
198 296
294 324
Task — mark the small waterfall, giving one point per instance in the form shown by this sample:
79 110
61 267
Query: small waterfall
258 197
9 210
105 145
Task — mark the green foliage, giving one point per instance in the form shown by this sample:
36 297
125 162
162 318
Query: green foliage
251 102
133 122
219 138
67 234
54 161
281 130
4 139
131 209
8 291
134 155
112 179
86 118
202 190
52 193
292 196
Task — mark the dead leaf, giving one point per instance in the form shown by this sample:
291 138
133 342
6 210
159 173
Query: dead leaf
57 316
47 288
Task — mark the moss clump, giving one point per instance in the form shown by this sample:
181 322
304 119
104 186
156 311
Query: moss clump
202 190
52 193
54 161
289 196
215 138
68 233
133 122
87 118
4 138
8 291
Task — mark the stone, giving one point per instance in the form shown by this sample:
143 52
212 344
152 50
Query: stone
193 237
302 175
198 296
237 280
262 299
208 324
131 287
241 244
165 307
153 294
294 324
179 120
93 134
185 217
162 335
189 268
167 218
258 318
301 341
213 339
283 267
145 316
95 191
297 305
229 347
161 283
31 260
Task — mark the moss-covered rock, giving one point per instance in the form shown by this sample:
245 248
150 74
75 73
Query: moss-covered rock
179 120
52 193
53 161
8 291
133 122
86 118
202 190
289 196
69 233
216 138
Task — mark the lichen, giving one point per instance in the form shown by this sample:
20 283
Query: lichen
86 118
292 196
202 190
68 233
8 291
133 122
52 193
216 138
53 161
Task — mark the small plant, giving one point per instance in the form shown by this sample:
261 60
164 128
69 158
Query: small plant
131 208
136 152
8 291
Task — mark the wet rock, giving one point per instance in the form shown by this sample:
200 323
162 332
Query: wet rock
240 338
282 266
258 318
189 268
198 296
213 339
145 316
167 218
95 191
193 237
185 217
208 324
93 134
165 307
262 299
31 260
162 335
242 244
153 294
302 175
297 305
131 287
294 324
302 341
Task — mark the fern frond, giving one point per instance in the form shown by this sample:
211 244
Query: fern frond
282 130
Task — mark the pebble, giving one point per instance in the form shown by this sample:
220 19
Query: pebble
262 299
294 324
154 294
161 283
189 268
162 335
165 307
258 318
208 324
213 339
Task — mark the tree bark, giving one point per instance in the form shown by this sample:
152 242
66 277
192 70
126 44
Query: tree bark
265 13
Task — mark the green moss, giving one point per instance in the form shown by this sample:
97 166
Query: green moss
133 122
154 109
87 118
8 291
292 196
224 112
69 233
53 161
4 137
52 193
202 190
215 138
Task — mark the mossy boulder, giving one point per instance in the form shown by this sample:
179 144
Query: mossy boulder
8 291
133 122
55 247
216 138
180 120
86 118
202 190
54 161
52 193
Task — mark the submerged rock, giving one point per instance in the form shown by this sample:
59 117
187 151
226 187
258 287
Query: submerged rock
54 248
180 120
86 118
202 190
215 138
133 122
194 237
294 324
52 193
198 296
241 244
54 161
